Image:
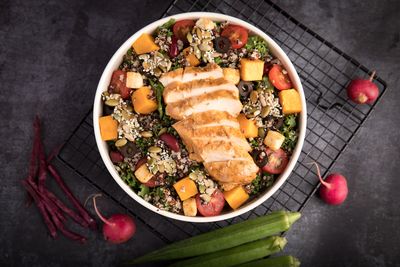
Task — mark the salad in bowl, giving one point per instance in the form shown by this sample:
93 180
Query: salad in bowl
200 117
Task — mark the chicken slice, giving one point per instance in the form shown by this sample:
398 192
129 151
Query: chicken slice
211 118
176 92
171 77
215 133
211 71
220 100
232 171
210 150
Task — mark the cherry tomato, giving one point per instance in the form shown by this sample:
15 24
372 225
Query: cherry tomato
236 34
277 161
182 27
213 207
278 79
118 84
156 181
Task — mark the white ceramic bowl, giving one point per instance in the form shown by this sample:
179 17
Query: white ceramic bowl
116 61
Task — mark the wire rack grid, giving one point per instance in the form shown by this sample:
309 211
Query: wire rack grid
332 120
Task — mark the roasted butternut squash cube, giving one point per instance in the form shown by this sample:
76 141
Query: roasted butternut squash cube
290 101
190 57
108 128
236 197
190 207
145 44
134 80
143 174
186 188
251 70
248 127
142 101
274 140
231 75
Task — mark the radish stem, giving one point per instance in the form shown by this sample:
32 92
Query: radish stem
319 176
372 76
98 212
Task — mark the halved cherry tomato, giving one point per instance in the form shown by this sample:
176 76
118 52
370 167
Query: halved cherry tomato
278 79
277 161
156 181
182 27
236 34
118 84
213 207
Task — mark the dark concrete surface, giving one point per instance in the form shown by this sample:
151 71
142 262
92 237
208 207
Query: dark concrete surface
52 54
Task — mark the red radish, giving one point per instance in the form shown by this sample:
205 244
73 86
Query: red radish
363 91
116 156
117 229
171 141
334 188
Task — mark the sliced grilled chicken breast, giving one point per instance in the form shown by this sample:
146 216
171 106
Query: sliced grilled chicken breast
232 171
207 107
210 150
220 100
211 118
174 76
177 92
211 71
200 133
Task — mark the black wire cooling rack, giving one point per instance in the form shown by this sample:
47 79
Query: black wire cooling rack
332 120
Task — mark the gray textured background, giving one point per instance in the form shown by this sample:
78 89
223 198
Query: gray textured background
51 57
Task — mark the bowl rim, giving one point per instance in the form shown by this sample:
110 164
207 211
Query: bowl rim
115 61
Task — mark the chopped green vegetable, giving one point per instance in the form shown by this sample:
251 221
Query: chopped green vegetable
265 84
144 143
218 60
288 130
170 179
168 24
257 43
254 143
167 27
167 121
158 89
144 190
176 65
158 191
127 176
128 61
261 182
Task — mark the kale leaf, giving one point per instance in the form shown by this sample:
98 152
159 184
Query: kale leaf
257 43
158 90
288 129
